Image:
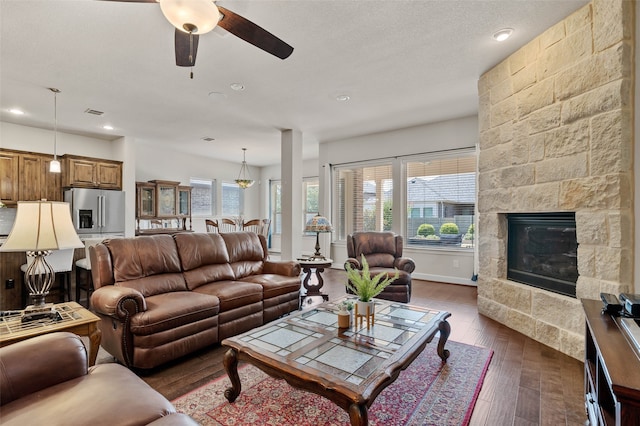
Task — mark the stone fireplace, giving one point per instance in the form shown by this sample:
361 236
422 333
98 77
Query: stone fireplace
556 135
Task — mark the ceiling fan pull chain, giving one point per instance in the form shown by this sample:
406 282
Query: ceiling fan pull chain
191 53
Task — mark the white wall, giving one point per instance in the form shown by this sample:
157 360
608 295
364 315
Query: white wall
442 265
165 164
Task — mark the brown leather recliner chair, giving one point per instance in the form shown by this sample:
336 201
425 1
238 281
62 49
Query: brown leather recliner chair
383 251
46 381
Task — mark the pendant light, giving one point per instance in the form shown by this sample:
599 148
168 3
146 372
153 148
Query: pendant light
244 180
54 166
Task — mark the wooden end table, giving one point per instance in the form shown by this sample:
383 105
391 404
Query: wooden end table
313 290
75 319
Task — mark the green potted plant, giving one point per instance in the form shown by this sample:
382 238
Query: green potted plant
366 287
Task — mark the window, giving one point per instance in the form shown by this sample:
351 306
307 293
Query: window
441 190
232 199
202 196
363 197
310 193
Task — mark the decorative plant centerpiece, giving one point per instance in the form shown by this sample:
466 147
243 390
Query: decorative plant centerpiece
366 287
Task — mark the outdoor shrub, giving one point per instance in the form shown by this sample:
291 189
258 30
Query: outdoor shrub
426 229
449 228
470 233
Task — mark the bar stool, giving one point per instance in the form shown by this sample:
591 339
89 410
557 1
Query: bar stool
84 280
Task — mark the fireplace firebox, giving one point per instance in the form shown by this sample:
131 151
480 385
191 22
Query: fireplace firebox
543 251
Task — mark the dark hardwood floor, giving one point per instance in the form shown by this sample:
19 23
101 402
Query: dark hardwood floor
527 382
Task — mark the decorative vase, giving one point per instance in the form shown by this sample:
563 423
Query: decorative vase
344 319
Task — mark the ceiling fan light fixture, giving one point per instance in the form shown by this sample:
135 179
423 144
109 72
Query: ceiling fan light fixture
197 16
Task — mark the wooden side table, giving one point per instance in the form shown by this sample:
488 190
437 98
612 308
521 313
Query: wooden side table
313 289
75 319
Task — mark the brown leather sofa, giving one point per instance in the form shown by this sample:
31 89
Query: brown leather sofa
45 381
383 251
161 297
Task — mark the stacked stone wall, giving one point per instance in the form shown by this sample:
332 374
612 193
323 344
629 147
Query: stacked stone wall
556 134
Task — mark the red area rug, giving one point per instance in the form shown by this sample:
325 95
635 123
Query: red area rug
427 393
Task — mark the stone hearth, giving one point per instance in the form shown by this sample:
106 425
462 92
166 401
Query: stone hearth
556 134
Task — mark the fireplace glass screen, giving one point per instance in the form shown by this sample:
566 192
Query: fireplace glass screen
543 251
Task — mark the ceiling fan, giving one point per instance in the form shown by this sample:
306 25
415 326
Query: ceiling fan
194 17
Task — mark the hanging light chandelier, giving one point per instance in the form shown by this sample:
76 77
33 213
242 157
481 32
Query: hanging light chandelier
54 166
244 180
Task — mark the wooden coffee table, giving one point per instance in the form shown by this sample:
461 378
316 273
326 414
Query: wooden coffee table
75 319
347 366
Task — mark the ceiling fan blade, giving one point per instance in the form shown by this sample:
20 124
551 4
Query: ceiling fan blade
252 33
185 52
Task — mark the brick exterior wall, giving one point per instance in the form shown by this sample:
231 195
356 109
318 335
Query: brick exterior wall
556 134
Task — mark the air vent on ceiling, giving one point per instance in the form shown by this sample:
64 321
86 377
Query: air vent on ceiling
93 111
208 139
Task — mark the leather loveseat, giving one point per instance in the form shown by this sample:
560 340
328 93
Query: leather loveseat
45 381
161 297
383 251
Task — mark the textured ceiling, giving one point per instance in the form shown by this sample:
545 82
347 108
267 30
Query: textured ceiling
402 63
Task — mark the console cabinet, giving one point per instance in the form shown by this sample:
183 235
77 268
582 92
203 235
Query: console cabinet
162 206
611 369
86 172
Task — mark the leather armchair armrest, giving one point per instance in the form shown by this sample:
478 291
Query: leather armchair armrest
405 264
118 302
40 362
286 268
355 263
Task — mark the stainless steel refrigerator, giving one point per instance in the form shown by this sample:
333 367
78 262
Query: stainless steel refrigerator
96 211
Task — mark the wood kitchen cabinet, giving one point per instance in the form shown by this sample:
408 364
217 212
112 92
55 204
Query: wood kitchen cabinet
9 161
86 172
25 176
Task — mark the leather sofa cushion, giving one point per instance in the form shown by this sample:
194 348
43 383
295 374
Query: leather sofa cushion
275 285
156 284
404 277
246 254
170 310
232 294
140 257
204 258
378 247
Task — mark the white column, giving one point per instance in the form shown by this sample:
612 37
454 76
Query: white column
291 153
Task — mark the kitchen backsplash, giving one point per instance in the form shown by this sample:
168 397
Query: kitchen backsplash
7 216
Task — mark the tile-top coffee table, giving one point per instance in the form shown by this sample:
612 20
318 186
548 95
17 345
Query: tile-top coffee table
347 366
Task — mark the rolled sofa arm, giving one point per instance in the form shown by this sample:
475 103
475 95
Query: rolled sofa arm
118 302
287 268
40 362
355 263
405 264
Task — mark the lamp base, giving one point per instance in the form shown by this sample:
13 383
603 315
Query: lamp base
316 256
40 312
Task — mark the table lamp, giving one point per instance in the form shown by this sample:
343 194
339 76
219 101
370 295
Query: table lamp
39 228
318 224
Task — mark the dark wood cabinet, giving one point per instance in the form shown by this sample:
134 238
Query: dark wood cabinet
162 206
25 176
9 163
86 172
612 370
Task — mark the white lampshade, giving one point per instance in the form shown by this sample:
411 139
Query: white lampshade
42 225
203 14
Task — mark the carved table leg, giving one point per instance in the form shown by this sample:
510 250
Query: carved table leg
445 330
358 415
230 362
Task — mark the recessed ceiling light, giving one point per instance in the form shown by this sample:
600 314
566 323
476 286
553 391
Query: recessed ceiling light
503 34
16 111
237 87
343 98
107 127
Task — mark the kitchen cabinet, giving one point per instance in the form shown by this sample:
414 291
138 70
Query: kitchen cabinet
86 172
162 206
9 162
